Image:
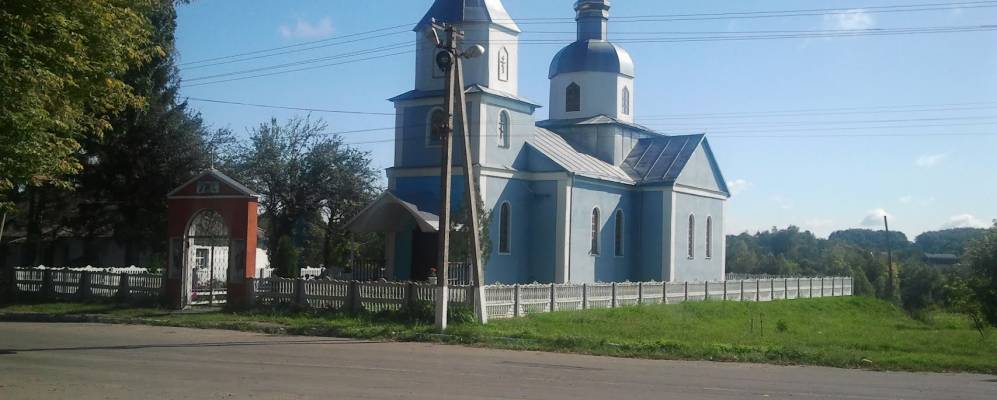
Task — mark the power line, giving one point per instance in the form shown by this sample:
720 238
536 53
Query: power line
321 110
250 58
395 46
293 45
300 69
776 114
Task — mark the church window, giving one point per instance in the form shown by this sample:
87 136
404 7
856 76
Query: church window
709 237
619 233
503 65
692 236
504 129
436 128
594 250
505 216
626 101
573 98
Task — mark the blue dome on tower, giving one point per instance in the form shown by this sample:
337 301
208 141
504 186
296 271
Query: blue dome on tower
592 52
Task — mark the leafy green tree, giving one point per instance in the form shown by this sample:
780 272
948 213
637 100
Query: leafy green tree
921 287
310 184
981 256
949 241
61 67
873 240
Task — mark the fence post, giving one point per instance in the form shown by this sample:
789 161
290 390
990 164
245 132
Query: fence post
725 290
124 287
48 286
299 292
553 297
664 292
742 290
354 294
640 292
83 290
822 286
758 290
515 301
785 288
706 295
612 302
585 296
410 295
686 297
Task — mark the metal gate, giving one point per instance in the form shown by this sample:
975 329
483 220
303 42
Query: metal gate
208 265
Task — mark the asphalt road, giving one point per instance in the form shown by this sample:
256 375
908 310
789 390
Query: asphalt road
92 361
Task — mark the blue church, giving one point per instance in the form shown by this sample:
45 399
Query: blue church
585 196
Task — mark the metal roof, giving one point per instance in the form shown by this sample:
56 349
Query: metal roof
594 120
592 55
475 88
456 11
660 160
561 153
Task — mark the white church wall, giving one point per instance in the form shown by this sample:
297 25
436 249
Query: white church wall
600 95
700 173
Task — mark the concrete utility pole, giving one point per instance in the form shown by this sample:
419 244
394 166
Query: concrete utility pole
889 258
449 61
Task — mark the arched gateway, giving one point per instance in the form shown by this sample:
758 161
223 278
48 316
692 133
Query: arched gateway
212 232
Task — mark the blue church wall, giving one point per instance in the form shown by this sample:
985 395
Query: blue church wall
653 234
521 124
414 129
532 225
424 192
698 267
605 266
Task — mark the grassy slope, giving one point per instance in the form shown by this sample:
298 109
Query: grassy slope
844 332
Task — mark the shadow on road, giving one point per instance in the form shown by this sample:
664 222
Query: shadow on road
191 345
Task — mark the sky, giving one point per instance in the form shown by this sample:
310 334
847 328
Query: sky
824 133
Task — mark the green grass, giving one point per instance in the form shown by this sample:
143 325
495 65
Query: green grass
842 332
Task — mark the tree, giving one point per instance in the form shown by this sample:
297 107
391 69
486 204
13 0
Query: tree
981 256
309 183
61 63
157 147
949 241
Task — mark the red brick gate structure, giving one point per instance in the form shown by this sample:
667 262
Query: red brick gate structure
212 234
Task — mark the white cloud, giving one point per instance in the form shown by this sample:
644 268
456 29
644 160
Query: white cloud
930 160
307 30
875 217
783 202
906 199
855 19
738 186
964 221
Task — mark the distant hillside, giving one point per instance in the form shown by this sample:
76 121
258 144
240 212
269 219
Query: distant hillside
949 241
871 240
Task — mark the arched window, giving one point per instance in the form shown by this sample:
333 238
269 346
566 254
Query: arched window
692 236
619 234
709 237
504 127
505 218
503 65
594 250
573 98
436 127
626 101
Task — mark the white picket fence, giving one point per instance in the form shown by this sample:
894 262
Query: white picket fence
350 295
82 284
510 301
501 301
